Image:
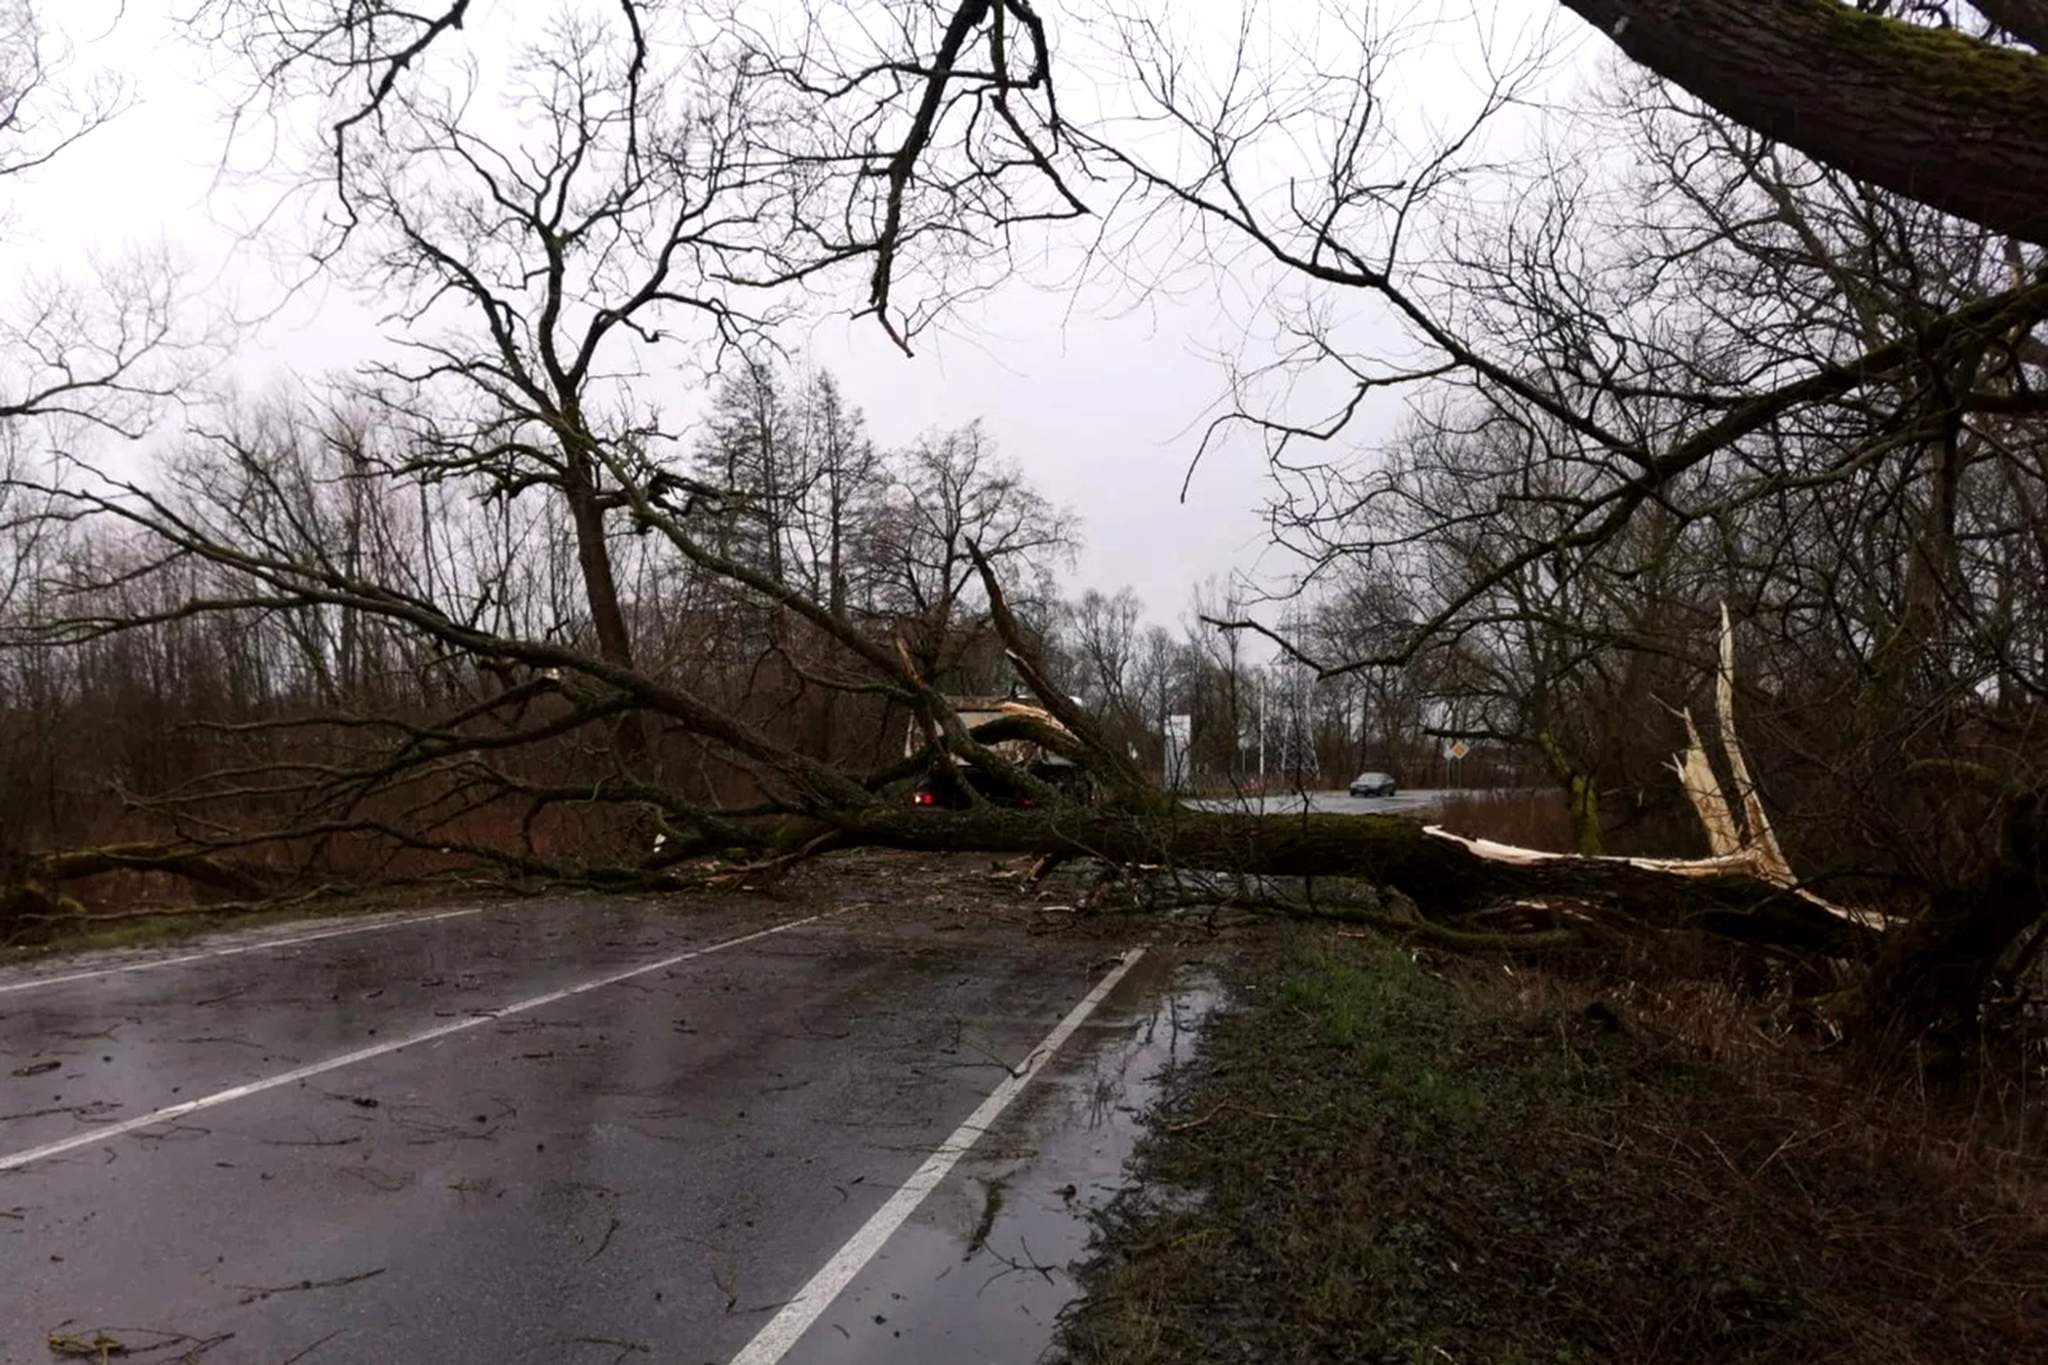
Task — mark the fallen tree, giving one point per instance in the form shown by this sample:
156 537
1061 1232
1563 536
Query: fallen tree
1743 893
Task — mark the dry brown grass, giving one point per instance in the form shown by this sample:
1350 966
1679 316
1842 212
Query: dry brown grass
1531 818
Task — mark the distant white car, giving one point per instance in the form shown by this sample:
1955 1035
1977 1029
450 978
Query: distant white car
1374 784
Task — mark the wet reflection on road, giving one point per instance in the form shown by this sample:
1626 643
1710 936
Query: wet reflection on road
983 1271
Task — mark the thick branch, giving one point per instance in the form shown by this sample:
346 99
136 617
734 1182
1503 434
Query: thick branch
1932 114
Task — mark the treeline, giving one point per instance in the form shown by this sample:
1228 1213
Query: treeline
147 694
144 689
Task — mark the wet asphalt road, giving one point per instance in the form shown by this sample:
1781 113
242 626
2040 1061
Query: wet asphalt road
647 1169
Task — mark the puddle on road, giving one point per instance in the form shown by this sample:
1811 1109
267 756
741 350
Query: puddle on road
983 1271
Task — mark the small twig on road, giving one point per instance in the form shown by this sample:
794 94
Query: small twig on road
1011 1264
190 1355
258 1292
722 1276
384 1182
188 1347
603 1243
301 1355
86 1113
812 1031
625 1348
960 1040
103 1345
208 1038
226 995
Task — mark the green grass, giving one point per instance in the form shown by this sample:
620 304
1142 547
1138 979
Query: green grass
1359 996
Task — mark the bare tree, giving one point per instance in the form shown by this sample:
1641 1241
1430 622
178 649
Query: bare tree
1106 638
42 112
953 501
85 351
1731 374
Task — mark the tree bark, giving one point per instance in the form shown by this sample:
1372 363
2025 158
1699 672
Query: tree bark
1934 972
1954 122
31 908
601 591
77 864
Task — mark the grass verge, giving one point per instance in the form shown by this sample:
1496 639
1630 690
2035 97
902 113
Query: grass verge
1381 1160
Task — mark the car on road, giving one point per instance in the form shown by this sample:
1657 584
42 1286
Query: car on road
1374 784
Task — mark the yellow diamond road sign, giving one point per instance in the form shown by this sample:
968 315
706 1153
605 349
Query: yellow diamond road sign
1460 748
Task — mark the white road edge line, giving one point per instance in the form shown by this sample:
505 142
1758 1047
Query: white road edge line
104 1132
784 1330
33 982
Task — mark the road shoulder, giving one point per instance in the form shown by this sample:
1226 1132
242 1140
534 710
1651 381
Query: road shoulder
1375 1158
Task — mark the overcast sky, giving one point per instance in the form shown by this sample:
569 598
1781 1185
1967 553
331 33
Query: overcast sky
1102 403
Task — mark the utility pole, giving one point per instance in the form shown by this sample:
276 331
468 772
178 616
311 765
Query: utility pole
1261 685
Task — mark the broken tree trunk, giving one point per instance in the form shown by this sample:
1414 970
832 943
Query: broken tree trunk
1746 838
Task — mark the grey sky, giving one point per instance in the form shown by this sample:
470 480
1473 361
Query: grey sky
1103 403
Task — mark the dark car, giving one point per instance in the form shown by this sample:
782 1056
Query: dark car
1374 784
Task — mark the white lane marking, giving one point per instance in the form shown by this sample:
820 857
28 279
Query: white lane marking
782 1331
34 982
104 1132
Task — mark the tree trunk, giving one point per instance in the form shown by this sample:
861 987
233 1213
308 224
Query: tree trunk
1443 874
1934 972
601 592
600 588
1582 796
1928 113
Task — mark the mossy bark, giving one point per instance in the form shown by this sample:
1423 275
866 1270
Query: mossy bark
1927 112
32 913
1442 874
1582 797
80 863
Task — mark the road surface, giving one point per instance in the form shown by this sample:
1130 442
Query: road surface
562 1131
